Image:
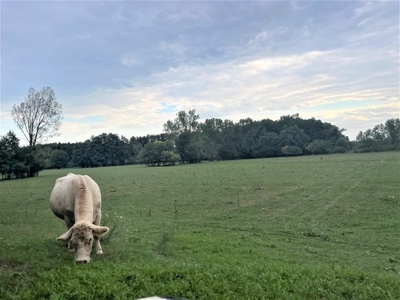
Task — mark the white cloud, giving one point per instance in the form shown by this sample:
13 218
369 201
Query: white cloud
172 48
262 36
257 88
225 60
295 5
359 119
268 34
128 59
367 7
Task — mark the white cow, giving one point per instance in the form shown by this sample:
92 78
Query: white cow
77 200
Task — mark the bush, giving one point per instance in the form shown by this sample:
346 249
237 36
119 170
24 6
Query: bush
291 151
319 147
158 153
339 149
59 159
170 158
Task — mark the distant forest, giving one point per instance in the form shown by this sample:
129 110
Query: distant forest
186 140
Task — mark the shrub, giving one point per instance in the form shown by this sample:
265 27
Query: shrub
291 151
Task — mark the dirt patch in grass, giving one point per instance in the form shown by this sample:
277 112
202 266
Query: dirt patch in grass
8 266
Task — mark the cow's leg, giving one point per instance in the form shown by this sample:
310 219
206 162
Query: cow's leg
69 222
97 220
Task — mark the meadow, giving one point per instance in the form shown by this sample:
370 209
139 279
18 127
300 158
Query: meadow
310 227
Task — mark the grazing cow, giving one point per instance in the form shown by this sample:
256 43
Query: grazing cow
77 200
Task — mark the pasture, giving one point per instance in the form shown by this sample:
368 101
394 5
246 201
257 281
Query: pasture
307 227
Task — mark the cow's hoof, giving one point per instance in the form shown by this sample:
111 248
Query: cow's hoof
99 252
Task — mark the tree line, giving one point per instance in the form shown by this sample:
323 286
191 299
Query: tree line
382 137
184 140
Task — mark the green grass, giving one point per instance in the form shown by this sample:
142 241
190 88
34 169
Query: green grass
315 227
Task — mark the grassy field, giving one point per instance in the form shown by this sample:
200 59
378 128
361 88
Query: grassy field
314 227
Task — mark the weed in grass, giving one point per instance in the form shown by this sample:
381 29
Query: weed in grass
162 247
321 235
258 186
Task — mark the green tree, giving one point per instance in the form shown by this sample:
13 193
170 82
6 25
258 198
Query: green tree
189 146
184 122
393 129
343 142
134 146
170 158
43 153
158 153
211 131
291 151
246 134
16 161
77 157
267 145
230 147
319 147
35 162
294 136
379 133
365 142
59 159
9 148
183 132
381 137
103 150
149 155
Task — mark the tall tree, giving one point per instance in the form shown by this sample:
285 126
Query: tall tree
39 117
294 136
383 137
158 153
267 145
9 148
59 159
211 131
189 146
184 132
184 122
393 128
18 162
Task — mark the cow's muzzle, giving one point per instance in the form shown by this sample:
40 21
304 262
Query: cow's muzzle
85 261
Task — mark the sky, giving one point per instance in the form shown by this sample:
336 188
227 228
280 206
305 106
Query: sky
127 67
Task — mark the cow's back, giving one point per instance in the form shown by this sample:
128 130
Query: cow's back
67 189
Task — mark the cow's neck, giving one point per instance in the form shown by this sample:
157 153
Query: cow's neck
83 203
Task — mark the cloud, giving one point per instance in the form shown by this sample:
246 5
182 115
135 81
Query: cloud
268 34
262 36
129 59
172 48
140 63
359 119
259 87
295 5
366 7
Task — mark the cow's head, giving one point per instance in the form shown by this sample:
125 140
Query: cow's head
80 239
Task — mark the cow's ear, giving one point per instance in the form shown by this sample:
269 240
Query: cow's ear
100 230
66 236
